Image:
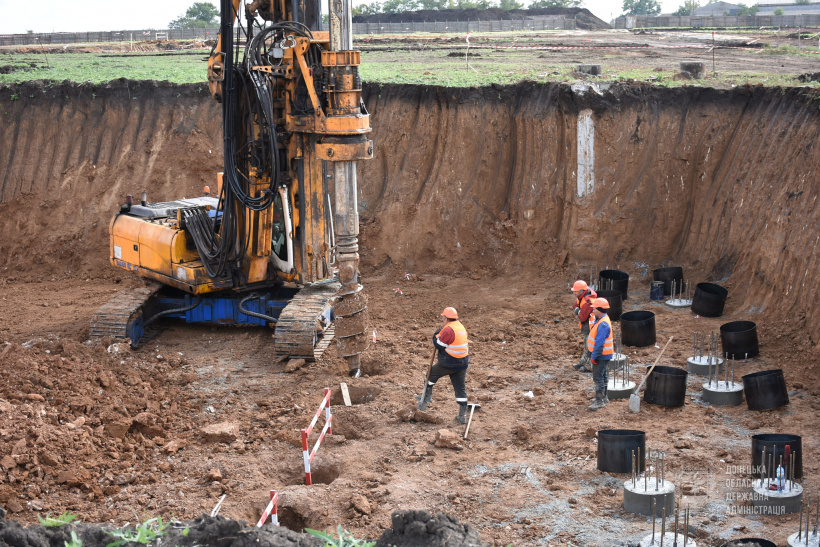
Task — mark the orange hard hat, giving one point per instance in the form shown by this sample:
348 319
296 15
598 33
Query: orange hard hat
602 303
580 285
450 313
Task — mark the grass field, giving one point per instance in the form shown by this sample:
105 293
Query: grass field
437 60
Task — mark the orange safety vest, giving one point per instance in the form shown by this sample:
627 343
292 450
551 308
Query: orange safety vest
609 346
588 298
459 348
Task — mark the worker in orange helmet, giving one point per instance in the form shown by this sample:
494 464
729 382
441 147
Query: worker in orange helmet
453 359
601 349
583 311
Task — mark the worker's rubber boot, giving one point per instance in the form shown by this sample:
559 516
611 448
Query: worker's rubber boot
428 398
606 399
582 364
599 400
462 413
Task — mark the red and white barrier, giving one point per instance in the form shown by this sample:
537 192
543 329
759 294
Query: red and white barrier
306 433
270 511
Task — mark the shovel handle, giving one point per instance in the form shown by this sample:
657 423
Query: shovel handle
653 365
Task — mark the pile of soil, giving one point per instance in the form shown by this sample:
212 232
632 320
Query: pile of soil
410 529
584 18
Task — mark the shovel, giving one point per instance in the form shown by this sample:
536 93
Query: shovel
634 399
427 379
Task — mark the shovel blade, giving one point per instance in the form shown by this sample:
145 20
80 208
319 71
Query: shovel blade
634 403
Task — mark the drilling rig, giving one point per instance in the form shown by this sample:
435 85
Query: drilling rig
277 244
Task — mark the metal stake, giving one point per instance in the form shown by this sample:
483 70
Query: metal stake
677 510
686 527
663 521
800 530
653 521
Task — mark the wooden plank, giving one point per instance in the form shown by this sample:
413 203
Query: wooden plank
345 394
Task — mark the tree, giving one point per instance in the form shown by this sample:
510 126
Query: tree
473 4
399 6
641 7
556 4
432 4
510 4
746 10
688 7
802 1
778 11
367 9
199 15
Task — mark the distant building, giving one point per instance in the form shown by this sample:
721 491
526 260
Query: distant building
790 9
717 9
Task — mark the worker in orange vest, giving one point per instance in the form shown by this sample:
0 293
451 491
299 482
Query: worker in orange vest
453 359
583 311
601 349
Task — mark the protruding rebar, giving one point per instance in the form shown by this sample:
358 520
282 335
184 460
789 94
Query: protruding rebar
663 521
800 529
653 521
686 527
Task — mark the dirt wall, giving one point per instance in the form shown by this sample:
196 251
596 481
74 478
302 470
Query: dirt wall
465 181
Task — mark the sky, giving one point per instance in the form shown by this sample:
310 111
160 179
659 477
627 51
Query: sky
17 17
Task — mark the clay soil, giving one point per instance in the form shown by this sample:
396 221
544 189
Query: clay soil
116 434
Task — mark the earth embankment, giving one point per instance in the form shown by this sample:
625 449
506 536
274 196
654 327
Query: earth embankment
470 181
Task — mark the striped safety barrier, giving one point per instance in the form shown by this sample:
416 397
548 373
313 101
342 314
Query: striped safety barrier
270 511
308 455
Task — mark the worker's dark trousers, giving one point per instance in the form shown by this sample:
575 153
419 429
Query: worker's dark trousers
599 374
457 377
584 350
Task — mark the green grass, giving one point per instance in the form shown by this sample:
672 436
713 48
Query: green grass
345 538
99 68
145 533
55 522
408 62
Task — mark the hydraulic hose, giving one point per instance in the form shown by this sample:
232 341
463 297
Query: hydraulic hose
175 310
250 313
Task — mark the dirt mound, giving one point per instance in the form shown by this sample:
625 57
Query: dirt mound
410 529
421 529
584 18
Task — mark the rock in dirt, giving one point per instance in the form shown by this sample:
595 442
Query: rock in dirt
148 424
223 432
118 428
14 506
412 414
214 475
360 504
421 529
173 446
294 365
448 439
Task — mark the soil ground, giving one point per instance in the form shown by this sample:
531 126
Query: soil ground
527 473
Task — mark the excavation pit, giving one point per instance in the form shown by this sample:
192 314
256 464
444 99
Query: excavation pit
722 393
709 300
765 390
666 386
749 542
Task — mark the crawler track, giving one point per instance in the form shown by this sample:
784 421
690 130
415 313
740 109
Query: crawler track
299 328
